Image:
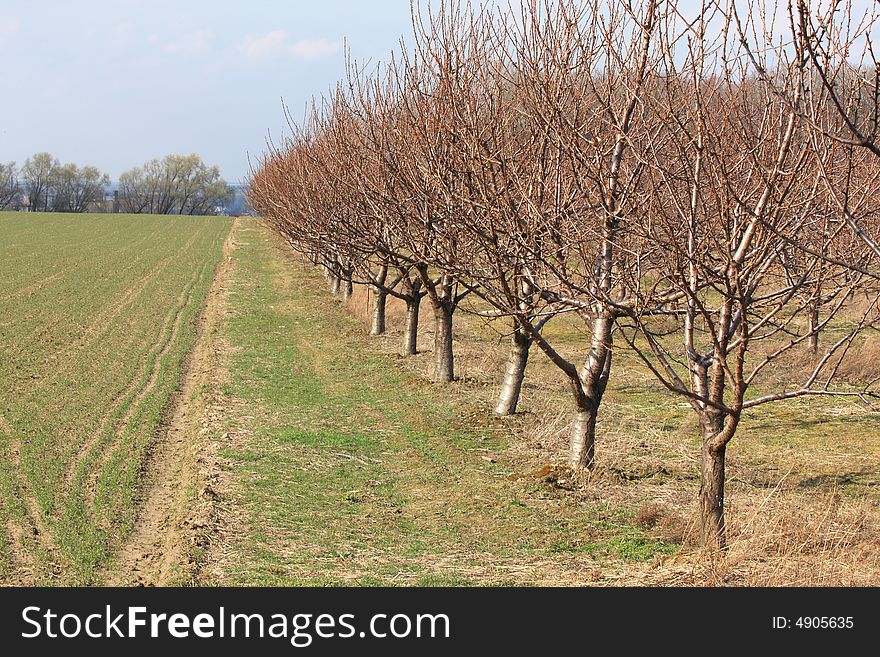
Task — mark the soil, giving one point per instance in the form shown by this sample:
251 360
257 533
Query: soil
177 509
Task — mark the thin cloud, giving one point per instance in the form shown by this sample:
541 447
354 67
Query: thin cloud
275 44
190 42
121 34
315 48
8 28
268 45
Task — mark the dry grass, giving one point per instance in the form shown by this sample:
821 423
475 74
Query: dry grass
862 365
785 539
360 304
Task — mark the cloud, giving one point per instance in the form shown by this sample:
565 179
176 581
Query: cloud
270 44
8 28
275 43
315 48
121 33
189 43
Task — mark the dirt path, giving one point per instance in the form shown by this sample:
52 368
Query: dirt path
177 507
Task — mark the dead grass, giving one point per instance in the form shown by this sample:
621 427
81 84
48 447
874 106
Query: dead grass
862 366
360 304
783 539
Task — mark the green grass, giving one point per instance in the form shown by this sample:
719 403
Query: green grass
96 315
348 469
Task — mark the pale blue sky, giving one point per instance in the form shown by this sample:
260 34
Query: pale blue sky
115 84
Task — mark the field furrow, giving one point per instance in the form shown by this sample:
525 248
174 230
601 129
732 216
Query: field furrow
98 315
158 354
129 397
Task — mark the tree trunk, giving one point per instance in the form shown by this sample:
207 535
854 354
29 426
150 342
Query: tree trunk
444 371
411 329
712 494
582 441
377 321
347 285
593 381
334 282
812 328
516 372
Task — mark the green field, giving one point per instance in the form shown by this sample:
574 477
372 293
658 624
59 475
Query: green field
96 315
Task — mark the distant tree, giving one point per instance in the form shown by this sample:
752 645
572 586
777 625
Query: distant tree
36 173
74 189
212 193
137 190
177 184
199 188
61 184
9 188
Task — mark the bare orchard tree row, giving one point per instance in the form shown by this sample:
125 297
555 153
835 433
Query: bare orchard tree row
656 176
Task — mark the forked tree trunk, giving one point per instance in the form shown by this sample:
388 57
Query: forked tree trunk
443 356
714 533
411 328
593 381
515 373
377 316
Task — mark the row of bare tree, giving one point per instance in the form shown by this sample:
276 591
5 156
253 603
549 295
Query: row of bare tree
698 188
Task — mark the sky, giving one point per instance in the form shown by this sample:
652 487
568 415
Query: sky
117 83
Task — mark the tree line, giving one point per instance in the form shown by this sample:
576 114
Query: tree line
176 184
695 189
43 184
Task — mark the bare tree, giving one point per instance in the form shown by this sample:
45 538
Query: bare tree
36 175
837 42
731 176
75 189
10 190
311 190
177 184
549 147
